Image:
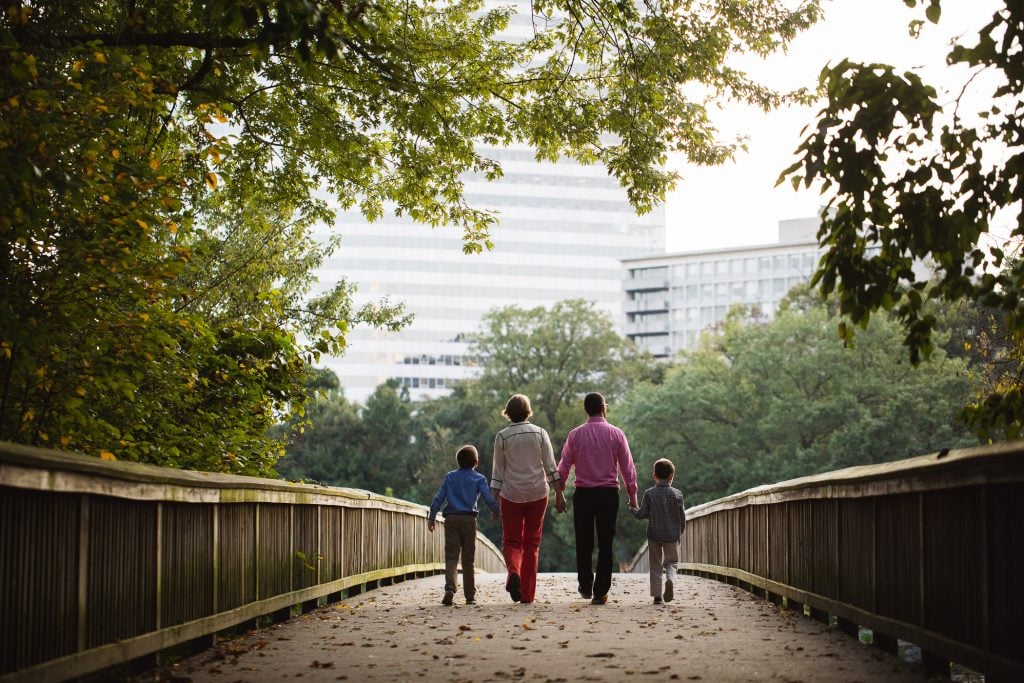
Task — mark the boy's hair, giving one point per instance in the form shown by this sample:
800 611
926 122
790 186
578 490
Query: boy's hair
593 403
467 457
664 469
518 408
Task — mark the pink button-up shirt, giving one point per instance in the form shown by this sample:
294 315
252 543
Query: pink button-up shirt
599 451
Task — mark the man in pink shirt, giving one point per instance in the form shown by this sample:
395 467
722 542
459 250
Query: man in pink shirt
599 452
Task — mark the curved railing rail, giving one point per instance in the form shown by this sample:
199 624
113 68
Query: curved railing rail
929 550
106 562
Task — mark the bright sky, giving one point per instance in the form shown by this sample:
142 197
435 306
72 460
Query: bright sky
738 204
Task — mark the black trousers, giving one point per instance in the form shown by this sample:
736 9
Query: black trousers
594 510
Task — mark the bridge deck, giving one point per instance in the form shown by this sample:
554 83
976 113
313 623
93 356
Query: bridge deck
710 632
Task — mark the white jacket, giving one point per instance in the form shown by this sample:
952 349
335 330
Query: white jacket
524 463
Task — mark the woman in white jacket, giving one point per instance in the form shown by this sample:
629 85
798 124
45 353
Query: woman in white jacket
523 472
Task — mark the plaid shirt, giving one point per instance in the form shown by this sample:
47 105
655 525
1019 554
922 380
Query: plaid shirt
665 511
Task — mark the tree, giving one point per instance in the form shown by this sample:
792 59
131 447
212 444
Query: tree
364 447
555 356
909 182
163 163
767 402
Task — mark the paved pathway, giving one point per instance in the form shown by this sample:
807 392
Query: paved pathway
710 632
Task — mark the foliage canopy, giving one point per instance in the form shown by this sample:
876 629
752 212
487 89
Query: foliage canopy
761 403
911 181
164 162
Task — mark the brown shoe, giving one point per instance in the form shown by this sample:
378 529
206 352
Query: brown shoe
599 600
668 591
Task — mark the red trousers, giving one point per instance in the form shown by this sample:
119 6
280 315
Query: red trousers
521 529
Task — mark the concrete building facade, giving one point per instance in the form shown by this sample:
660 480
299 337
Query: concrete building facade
563 229
671 298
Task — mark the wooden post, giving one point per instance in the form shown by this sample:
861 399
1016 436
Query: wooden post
216 558
885 642
848 627
818 615
83 573
159 565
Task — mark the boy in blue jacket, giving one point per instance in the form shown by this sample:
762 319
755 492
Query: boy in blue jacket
458 495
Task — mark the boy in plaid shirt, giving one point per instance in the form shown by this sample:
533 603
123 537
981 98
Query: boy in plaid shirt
663 507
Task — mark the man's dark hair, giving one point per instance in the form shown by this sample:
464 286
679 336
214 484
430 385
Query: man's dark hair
664 469
467 457
593 403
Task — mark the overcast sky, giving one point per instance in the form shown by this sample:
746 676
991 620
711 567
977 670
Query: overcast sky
737 204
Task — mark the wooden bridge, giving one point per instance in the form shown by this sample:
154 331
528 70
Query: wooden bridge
107 563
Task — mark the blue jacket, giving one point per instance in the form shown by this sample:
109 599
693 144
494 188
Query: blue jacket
460 489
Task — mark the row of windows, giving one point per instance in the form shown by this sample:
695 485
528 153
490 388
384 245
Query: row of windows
453 360
804 262
737 290
423 382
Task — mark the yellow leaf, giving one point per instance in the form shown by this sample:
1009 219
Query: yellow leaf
144 316
13 102
27 416
100 57
65 440
211 180
173 227
107 455
115 153
44 436
154 163
221 118
80 391
967 346
105 198
184 323
142 224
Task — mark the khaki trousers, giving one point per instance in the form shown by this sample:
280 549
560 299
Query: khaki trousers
663 557
460 539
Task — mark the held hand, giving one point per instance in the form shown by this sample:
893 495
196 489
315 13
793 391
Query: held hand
560 505
430 525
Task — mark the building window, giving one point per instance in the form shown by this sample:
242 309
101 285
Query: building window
721 267
764 264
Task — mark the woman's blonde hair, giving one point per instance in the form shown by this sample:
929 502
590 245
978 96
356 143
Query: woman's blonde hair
518 408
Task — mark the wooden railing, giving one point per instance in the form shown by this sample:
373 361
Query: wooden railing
928 550
106 562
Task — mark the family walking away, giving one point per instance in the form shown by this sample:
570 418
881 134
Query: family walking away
522 476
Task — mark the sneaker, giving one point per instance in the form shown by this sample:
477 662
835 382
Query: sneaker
668 591
470 601
513 588
599 600
657 601
448 597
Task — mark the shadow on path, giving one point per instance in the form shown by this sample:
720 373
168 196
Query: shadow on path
710 632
